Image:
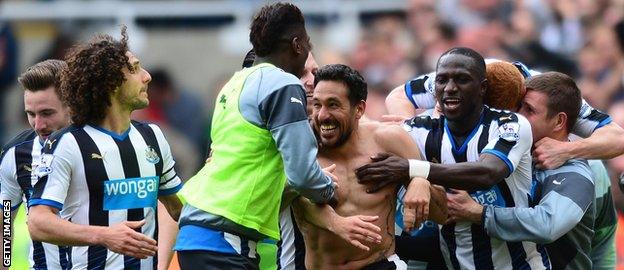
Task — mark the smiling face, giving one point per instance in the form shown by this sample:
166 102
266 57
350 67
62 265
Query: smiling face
132 93
459 90
333 117
45 111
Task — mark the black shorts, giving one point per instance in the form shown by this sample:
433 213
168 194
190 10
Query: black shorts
204 259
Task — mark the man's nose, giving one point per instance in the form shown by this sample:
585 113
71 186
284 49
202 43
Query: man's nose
40 123
450 86
323 114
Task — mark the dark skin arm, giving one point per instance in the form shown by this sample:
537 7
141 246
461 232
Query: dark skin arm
388 168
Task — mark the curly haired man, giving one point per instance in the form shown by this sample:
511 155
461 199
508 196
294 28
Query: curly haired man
99 179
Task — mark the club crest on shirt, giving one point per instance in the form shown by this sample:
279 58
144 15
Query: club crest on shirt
45 166
509 131
151 156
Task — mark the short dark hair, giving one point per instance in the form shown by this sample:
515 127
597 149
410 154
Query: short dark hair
563 94
472 54
250 57
358 90
42 75
94 71
273 24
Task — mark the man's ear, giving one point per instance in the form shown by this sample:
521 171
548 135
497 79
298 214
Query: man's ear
484 86
359 109
561 121
297 45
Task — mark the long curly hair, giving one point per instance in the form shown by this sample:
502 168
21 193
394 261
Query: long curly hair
94 71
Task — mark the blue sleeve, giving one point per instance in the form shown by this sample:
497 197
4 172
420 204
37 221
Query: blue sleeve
566 197
284 113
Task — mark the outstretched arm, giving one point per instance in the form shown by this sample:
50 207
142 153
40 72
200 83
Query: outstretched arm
497 160
167 232
290 129
172 204
558 211
483 174
357 230
420 193
605 143
45 225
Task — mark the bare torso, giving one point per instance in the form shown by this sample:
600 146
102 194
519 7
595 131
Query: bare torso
324 249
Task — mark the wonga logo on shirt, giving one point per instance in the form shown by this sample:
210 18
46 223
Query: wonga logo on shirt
130 193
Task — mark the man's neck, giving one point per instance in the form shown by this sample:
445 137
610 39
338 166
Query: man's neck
276 60
560 136
117 119
463 126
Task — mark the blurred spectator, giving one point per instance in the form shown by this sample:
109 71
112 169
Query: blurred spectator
381 55
522 44
562 32
602 67
180 111
59 46
8 68
474 13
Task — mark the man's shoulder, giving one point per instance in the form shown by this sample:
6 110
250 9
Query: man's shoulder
578 168
144 125
271 78
421 84
19 139
381 131
55 138
424 121
500 117
23 137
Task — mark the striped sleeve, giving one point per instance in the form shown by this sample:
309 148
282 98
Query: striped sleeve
170 182
589 120
513 138
420 91
9 188
54 172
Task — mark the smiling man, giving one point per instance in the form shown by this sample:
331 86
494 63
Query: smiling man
470 147
338 103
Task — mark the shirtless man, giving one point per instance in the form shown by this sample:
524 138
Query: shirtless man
338 104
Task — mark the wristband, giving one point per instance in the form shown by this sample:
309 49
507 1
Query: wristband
419 168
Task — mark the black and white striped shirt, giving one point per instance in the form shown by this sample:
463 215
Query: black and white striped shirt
96 177
20 157
507 136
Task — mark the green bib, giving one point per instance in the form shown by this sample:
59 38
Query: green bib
245 178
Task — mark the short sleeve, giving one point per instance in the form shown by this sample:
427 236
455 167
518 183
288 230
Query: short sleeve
420 91
54 172
170 182
589 120
9 187
511 139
